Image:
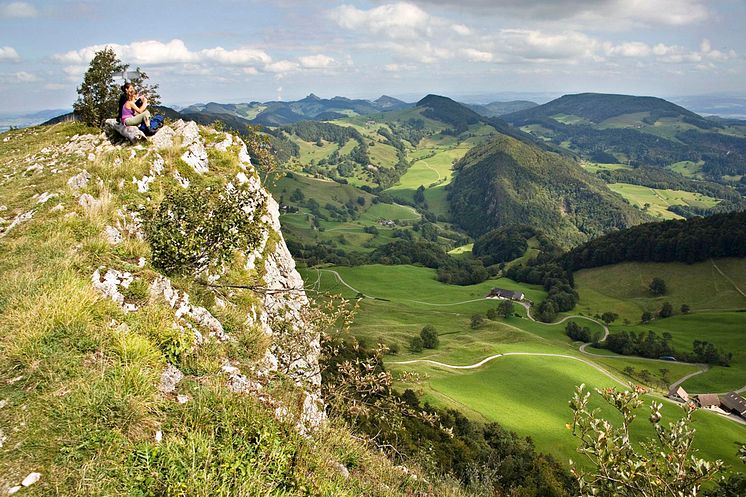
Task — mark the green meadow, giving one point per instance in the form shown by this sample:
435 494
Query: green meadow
656 201
623 288
525 393
724 329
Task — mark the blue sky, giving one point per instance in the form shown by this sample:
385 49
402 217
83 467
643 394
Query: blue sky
231 50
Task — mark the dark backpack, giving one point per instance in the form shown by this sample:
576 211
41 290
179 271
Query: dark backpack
156 123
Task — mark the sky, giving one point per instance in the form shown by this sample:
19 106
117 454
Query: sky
246 50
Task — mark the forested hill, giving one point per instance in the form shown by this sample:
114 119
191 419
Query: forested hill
506 181
597 107
693 240
460 116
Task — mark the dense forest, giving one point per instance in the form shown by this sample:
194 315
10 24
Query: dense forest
506 181
689 241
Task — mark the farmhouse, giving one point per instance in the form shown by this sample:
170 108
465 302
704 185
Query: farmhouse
708 400
734 403
679 394
501 293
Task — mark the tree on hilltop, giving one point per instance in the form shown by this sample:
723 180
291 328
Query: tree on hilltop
98 94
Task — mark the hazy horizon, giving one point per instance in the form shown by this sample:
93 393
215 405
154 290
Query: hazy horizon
231 50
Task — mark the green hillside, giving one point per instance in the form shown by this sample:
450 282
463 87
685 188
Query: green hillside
88 395
599 107
509 182
638 131
527 388
624 288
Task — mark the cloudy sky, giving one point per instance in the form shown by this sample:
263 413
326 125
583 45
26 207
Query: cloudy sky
242 50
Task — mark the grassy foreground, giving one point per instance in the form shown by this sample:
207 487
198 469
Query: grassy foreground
79 378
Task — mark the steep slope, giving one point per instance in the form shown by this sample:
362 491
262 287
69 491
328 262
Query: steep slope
510 182
155 338
459 116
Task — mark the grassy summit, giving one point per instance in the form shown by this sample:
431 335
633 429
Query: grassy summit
83 395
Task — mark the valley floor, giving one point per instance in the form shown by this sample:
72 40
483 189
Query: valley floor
516 371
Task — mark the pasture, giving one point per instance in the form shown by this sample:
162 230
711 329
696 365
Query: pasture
525 393
656 201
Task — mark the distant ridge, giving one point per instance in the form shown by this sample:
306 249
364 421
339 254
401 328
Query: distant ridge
497 109
597 107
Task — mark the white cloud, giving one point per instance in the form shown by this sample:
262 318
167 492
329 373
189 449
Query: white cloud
399 67
399 20
250 70
56 86
281 66
538 45
152 52
9 53
461 29
18 9
475 55
677 54
316 61
628 49
26 77
589 13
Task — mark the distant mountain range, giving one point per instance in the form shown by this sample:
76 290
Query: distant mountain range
22 120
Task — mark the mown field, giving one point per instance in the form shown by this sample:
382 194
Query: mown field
526 393
656 201
623 288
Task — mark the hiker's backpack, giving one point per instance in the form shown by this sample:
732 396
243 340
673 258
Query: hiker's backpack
156 123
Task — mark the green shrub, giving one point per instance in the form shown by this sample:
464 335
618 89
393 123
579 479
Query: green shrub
201 226
429 337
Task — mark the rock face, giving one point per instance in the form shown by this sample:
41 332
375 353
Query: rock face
281 306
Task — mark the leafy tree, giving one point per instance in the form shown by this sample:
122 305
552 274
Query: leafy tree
419 194
666 310
429 337
609 317
505 308
629 370
645 375
685 309
657 287
98 95
259 146
492 314
476 321
664 374
547 311
646 317
193 229
663 466
416 344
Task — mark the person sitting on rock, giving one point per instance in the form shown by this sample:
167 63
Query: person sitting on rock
133 108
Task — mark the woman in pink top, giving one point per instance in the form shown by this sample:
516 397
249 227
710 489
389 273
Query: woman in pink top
132 114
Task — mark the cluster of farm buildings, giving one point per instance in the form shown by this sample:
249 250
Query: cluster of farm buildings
729 403
501 293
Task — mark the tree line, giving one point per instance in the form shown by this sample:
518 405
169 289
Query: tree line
689 241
